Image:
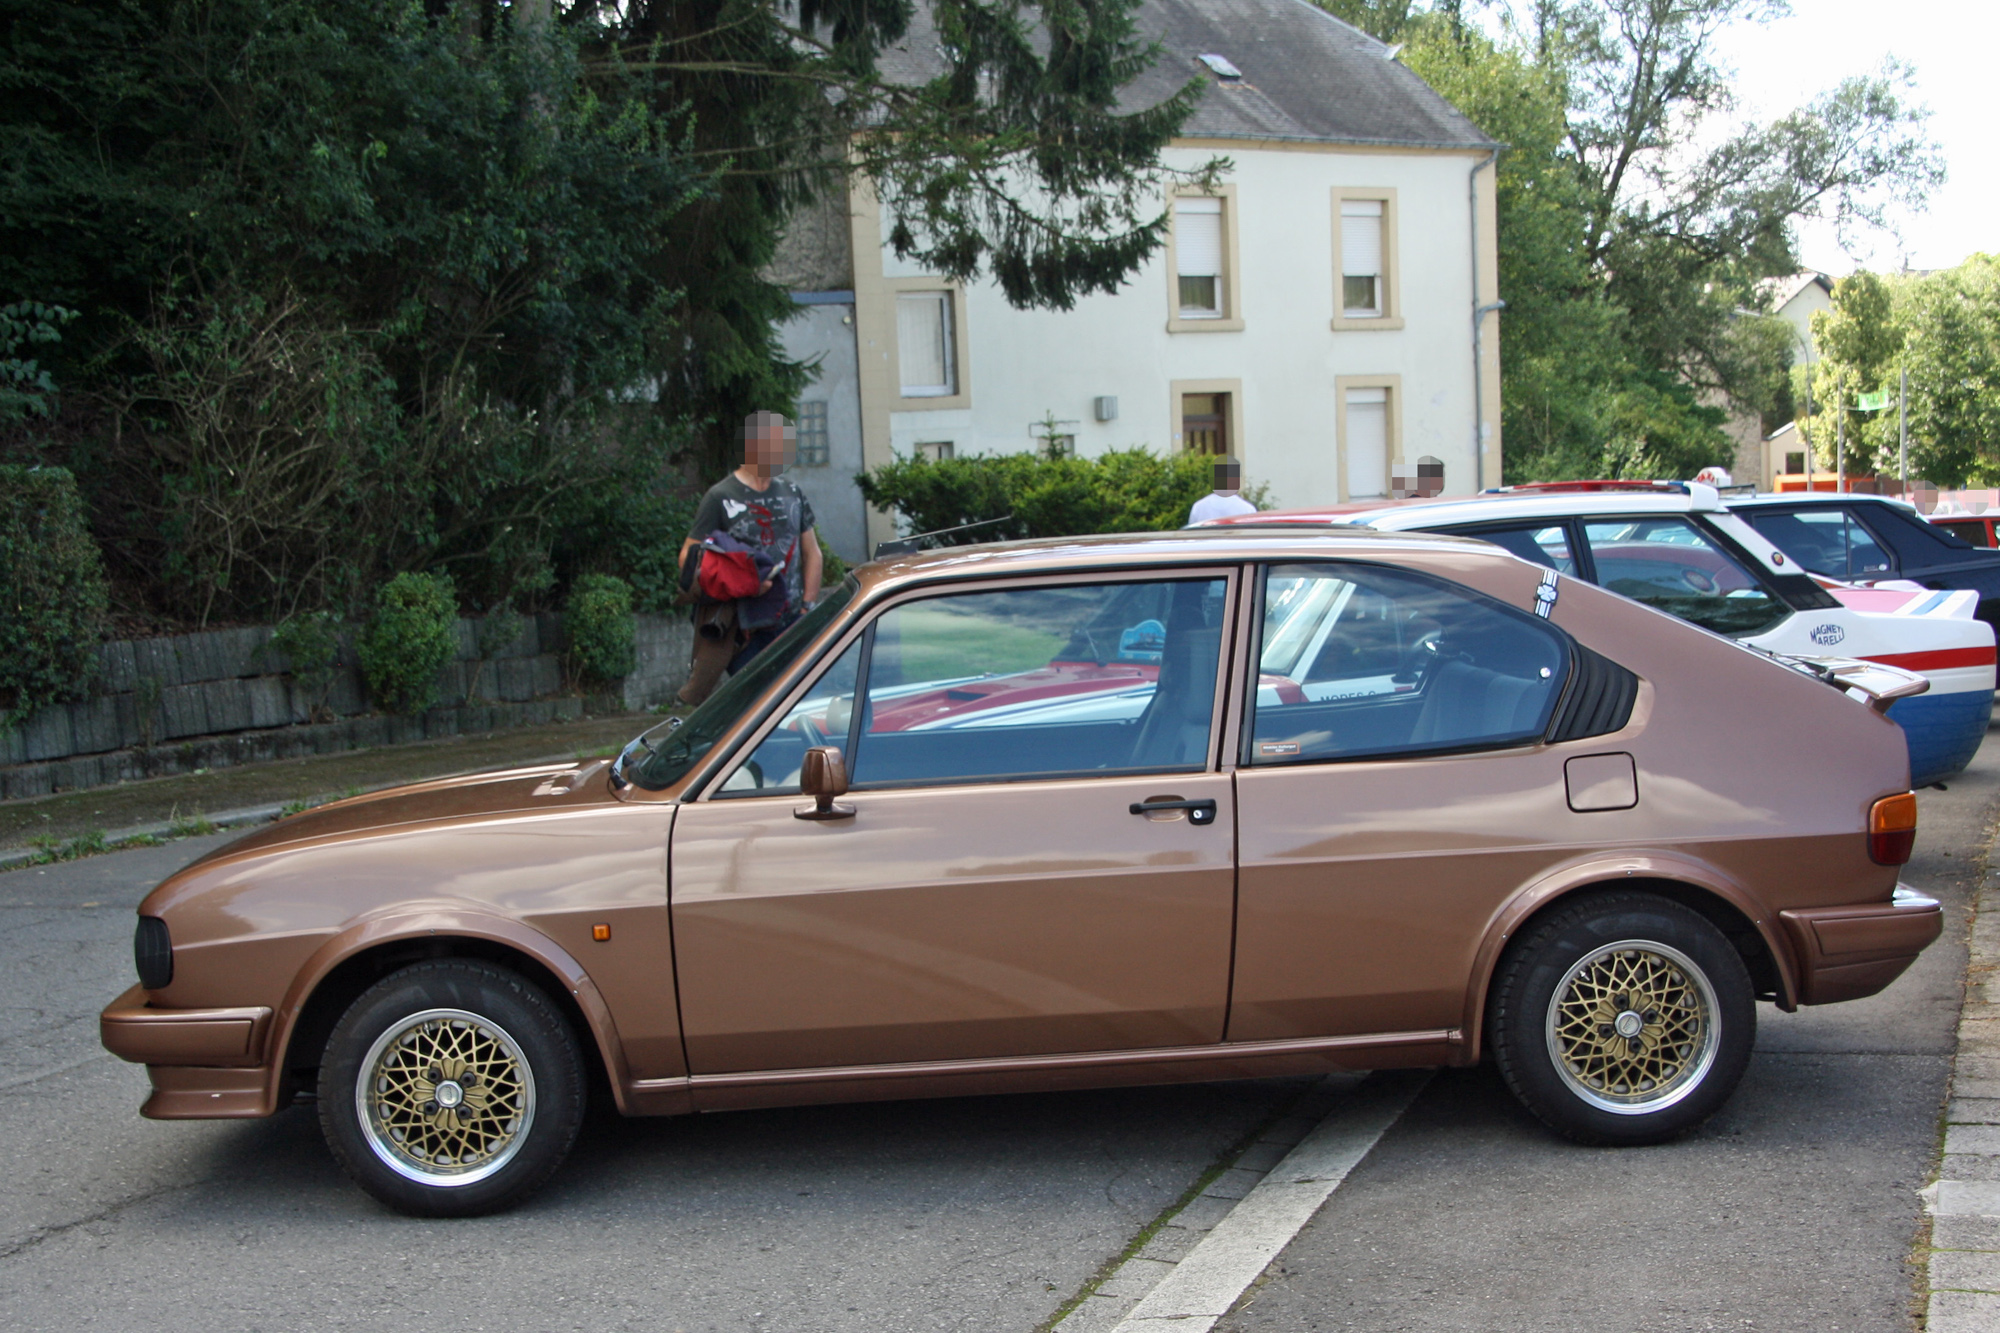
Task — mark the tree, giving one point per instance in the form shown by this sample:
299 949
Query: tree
1630 253
473 284
1951 344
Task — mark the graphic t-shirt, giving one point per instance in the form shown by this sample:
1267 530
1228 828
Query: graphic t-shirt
773 519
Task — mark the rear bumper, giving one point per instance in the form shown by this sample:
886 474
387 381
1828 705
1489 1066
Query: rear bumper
205 1063
1846 953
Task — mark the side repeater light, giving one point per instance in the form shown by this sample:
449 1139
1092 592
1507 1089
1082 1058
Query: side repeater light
1892 829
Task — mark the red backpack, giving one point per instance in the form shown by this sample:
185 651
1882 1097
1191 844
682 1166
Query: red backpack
725 576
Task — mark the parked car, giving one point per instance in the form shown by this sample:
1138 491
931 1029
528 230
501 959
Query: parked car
1972 529
1677 547
1863 538
1064 814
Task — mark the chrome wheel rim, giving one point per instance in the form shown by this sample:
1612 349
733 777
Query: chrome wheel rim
1632 1027
445 1097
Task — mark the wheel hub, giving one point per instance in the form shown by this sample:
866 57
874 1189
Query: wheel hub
1631 1027
446 1097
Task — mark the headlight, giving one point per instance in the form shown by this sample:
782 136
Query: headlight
153 951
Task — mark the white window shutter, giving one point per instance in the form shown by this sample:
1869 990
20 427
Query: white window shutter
1367 443
1361 238
1198 238
923 344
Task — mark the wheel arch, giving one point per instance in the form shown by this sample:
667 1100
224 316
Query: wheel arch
346 965
1773 971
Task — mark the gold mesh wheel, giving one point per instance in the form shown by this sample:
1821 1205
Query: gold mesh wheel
445 1097
1632 1027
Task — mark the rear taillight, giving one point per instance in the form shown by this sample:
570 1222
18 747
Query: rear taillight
1892 829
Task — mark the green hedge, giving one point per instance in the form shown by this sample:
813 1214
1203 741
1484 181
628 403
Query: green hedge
598 622
1126 490
52 592
409 639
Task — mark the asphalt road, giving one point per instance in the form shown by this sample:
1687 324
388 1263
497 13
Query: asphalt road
1795 1209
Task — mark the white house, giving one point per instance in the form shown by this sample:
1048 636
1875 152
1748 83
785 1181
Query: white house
1762 459
1330 311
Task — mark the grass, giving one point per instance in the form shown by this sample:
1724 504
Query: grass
50 849
305 803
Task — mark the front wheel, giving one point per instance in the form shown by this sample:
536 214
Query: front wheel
1624 1019
451 1088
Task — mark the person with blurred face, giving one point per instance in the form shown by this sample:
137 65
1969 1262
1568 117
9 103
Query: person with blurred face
771 516
1224 500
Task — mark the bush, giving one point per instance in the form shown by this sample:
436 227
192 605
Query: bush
52 592
409 639
1126 490
598 621
311 645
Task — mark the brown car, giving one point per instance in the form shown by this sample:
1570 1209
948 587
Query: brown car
1066 814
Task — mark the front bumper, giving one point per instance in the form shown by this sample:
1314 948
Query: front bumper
1845 953
204 1063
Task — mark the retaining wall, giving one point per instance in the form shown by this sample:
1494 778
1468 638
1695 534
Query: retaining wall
222 697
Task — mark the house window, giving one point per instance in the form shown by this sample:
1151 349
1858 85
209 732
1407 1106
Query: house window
1205 423
924 344
1361 270
1796 462
937 450
1365 292
1198 255
812 435
1367 443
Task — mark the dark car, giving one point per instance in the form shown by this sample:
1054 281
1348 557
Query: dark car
1862 538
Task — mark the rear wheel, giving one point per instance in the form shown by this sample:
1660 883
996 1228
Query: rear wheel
451 1088
1624 1019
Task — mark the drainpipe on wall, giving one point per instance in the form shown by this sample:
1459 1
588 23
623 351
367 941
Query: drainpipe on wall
1479 314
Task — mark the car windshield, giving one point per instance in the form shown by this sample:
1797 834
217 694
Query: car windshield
669 751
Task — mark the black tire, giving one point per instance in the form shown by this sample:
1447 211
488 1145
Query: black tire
1569 993
473 1093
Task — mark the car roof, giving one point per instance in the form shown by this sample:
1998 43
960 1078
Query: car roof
1766 498
1220 545
1400 515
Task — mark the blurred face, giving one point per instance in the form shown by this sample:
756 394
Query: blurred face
1228 476
768 441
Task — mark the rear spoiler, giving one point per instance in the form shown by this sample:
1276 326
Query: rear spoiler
1874 684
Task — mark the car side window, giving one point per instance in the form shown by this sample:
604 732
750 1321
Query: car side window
1064 680
1542 543
1825 540
1357 661
1668 564
825 716
1970 531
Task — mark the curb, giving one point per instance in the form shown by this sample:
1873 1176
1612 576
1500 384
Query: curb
1964 1203
163 831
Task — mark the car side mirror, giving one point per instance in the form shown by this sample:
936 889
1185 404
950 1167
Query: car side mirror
823 776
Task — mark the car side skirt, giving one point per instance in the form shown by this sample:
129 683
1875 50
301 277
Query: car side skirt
1045 1073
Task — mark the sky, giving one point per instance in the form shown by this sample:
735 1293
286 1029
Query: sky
1953 46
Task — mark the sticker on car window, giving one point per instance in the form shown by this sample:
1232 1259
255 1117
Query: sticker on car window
1545 594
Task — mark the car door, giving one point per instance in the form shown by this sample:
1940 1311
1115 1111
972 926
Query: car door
1040 854
1392 792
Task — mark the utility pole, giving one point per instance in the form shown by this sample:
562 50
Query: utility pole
1903 433
1808 429
1840 444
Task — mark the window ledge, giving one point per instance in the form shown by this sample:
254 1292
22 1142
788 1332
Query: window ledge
1176 324
1349 323
932 403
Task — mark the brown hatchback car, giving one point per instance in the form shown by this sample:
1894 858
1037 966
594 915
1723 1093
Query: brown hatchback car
1063 814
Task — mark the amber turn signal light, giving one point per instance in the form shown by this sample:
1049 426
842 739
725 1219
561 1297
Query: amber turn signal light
1892 829
600 932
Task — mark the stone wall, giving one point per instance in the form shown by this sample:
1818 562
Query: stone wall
221 697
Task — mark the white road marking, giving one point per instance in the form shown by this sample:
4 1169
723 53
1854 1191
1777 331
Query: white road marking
1194 1293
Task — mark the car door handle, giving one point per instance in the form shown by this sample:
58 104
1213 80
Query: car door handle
1199 812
